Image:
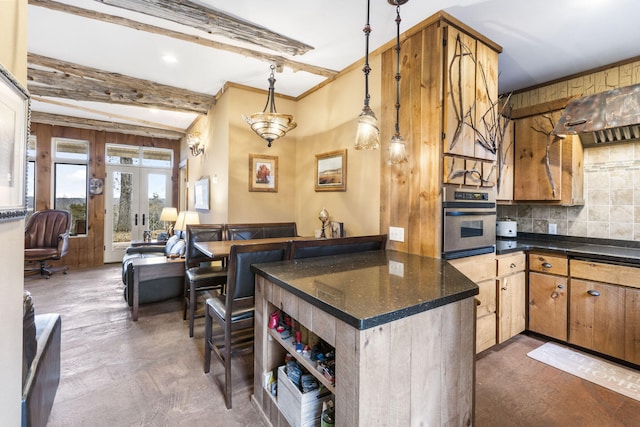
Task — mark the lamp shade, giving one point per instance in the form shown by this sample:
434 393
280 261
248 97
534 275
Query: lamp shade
169 214
186 218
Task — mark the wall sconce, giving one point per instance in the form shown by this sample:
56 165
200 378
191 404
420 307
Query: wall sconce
195 144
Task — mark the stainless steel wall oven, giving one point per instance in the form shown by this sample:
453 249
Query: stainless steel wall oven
469 222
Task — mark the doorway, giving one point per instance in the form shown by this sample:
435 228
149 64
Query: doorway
137 187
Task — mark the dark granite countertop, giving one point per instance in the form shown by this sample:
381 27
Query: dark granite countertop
371 288
618 251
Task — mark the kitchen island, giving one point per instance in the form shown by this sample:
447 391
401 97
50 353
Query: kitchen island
403 330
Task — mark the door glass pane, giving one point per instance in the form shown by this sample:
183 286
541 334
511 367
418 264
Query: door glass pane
122 186
157 199
157 157
71 194
123 155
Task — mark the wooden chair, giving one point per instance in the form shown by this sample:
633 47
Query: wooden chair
234 311
200 275
337 246
46 237
261 230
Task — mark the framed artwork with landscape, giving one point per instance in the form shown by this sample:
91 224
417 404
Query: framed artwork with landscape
331 171
263 173
14 132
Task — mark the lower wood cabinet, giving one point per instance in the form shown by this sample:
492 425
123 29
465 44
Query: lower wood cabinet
632 326
548 304
597 320
511 293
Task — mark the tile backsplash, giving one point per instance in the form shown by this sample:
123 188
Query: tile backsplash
611 194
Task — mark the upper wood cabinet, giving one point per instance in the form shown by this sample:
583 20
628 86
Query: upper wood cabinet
547 168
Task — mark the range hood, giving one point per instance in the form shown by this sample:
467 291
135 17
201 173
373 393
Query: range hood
603 118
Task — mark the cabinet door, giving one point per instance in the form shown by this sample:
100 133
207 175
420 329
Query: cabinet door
538 160
511 306
548 305
632 326
597 317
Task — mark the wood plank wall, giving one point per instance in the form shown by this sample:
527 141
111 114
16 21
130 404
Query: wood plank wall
88 250
620 74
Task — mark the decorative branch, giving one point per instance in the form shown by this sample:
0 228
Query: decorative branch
551 139
461 51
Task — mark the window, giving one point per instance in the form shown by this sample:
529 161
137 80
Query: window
31 175
71 158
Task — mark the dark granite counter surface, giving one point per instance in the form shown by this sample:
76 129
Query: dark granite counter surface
619 251
371 288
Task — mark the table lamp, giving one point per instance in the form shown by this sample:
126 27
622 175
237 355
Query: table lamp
169 215
186 218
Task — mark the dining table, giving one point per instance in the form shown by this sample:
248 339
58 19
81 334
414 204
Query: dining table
221 248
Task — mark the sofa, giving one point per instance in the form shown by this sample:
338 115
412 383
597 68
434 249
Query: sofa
158 289
40 363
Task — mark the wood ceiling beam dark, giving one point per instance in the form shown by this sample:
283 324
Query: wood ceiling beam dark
249 53
100 125
61 79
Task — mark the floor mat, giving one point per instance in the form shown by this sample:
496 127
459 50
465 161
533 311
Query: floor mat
620 379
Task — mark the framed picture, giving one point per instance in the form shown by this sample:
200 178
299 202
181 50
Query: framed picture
331 171
14 132
263 173
201 194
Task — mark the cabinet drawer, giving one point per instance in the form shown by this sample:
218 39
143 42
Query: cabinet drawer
511 263
546 263
607 273
477 268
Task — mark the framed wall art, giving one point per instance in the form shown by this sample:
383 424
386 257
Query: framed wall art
14 132
201 193
331 171
263 173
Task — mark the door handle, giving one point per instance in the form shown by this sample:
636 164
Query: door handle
135 219
143 219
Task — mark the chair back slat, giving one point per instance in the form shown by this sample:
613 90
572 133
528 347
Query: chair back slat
337 246
201 233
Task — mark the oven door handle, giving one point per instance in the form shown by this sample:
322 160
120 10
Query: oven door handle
473 213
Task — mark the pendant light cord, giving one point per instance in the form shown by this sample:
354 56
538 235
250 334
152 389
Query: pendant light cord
367 68
398 20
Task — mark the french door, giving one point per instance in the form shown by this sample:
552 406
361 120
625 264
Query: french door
134 198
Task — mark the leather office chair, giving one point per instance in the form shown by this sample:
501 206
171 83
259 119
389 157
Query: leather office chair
200 275
46 237
234 311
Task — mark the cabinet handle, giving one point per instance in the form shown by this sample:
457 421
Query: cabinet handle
547 265
504 289
593 293
560 286
513 265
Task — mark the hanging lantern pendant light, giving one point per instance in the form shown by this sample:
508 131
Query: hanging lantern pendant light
397 149
368 134
270 125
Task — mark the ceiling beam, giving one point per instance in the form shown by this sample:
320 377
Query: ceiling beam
213 21
61 79
249 53
101 125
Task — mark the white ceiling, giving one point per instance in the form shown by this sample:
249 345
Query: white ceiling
541 40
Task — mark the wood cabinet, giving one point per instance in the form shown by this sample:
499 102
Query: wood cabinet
547 295
511 282
442 87
481 269
547 168
605 308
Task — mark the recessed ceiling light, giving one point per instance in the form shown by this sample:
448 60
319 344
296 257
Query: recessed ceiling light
170 59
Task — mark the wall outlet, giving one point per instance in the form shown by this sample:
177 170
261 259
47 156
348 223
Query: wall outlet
553 228
396 234
396 268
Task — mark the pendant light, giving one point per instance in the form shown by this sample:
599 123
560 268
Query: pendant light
270 125
397 149
368 134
